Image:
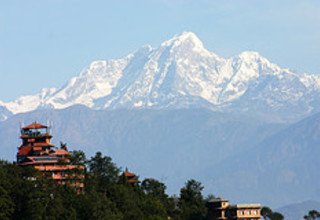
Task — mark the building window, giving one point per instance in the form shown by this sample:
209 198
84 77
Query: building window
241 212
248 212
255 212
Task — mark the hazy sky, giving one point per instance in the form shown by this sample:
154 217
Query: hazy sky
44 43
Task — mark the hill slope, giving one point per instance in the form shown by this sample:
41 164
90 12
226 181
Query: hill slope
172 145
282 169
298 210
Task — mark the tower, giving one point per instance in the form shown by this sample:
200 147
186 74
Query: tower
37 150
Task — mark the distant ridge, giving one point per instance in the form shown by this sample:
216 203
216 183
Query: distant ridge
296 211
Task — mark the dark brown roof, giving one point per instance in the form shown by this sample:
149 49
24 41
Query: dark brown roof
43 144
128 174
61 152
133 181
219 199
24 150
34 126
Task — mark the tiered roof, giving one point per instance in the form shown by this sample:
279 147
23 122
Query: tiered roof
34 125
37 151
131 178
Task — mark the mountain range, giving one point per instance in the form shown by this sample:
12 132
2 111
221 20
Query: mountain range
182 73
247 128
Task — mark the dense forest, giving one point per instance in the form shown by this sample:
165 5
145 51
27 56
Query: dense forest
28 194
25 193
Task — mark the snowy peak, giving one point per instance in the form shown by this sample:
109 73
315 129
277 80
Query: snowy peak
250 56
186 38
30 102
182 73
185 44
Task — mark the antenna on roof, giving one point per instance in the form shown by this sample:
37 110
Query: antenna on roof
20 125
50 126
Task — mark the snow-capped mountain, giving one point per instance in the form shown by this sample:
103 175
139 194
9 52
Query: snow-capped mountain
182 73
4 113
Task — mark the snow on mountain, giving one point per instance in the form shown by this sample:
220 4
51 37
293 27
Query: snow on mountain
94 82
30 102
4 112
179 74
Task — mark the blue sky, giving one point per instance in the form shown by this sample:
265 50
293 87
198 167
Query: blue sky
44 43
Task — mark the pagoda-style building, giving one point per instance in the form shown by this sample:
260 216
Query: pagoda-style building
130 178
37 150
220 209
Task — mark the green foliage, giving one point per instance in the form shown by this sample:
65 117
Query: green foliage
102 172
210 197
191 202
78 157
276 216
29 194
154 188
268 214
265 212
312 215
6 203
99 206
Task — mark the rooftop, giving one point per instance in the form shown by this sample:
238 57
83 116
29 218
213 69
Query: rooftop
246 206
219 199
34 125
126 173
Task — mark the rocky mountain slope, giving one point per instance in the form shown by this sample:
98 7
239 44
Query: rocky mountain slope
182 73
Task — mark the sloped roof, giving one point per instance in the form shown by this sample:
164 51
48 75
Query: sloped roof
219 199
34 125
245 206
133 181
61 152
42 144
128 174
24 150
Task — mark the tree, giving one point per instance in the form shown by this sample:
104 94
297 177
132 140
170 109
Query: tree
6 203
191 202
63 146
210 197
102 171
156 202
154 188
312 215
78 157
128 200
266 212
276 216
99 206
